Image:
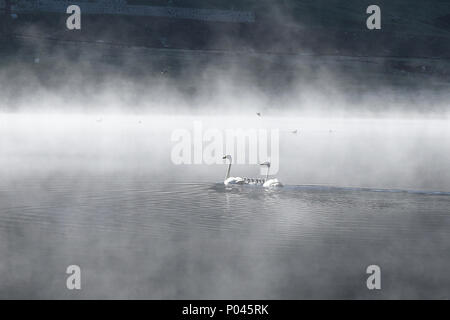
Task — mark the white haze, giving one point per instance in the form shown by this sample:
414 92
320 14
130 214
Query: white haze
383 153
84 115
68 127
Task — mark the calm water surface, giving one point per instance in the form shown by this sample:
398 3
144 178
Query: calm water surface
138 238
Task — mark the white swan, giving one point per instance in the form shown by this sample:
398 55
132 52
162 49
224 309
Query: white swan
231 180
251 181
274 182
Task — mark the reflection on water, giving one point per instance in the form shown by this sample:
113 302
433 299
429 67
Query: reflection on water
137 238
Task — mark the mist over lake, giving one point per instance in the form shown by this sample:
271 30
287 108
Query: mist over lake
154 149
104 195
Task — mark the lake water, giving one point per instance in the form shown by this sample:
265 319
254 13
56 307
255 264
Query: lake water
102 193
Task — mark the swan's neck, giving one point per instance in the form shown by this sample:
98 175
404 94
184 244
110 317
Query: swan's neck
228 171
267 174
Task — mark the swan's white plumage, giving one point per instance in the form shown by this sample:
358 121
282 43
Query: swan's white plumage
272 183
234 180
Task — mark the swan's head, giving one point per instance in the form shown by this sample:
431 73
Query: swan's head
227 157
265 163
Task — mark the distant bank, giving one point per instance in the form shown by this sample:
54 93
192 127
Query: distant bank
122 7
319 27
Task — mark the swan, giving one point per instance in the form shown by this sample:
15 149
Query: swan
231 180
274 182
250 181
